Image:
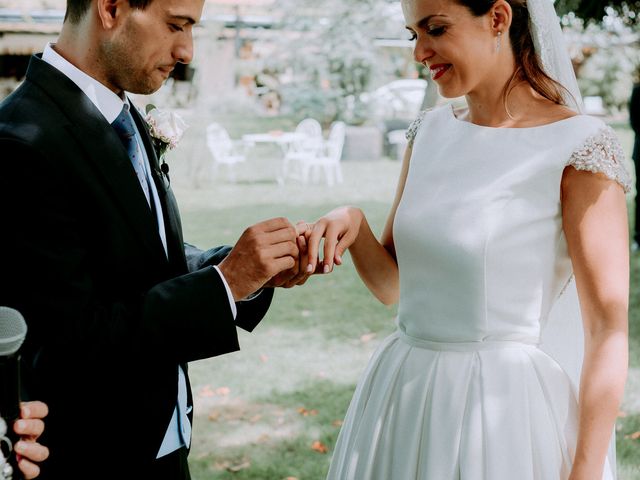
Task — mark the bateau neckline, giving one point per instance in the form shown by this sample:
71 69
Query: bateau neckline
545 125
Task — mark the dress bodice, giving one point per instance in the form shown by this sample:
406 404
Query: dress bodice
480 381
478 232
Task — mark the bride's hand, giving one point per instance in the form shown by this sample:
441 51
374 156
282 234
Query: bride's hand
339 228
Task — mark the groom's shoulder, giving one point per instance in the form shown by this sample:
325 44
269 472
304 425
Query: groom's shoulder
27 114
26 101
34 97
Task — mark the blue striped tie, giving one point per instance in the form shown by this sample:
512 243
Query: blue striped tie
125 129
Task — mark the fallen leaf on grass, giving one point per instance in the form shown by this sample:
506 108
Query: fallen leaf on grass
367 337
291 478
206 391
214 416
239 466
223 391
319 447
633 436
306 413
337 423
255 418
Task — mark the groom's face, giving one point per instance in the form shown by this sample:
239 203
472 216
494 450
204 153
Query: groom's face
145 44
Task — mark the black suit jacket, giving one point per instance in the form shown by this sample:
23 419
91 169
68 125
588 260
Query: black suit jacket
110 318
634 117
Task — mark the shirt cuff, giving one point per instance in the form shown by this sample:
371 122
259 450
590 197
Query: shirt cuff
232 303
253 296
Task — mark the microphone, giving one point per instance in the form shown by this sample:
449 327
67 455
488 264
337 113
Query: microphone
13 330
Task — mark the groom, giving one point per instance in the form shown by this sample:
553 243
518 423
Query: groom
91 249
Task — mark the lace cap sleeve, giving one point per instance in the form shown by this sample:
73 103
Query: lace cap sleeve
415 125
602 153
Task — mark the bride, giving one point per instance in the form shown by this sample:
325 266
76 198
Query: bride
499 207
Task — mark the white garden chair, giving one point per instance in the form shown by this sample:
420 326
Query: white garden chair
328 159
223 150
307 145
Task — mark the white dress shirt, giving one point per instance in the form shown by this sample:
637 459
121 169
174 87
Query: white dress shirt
178 432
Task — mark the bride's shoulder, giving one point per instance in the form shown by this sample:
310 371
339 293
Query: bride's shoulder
413 128
597 149
556 113
545 113
551 110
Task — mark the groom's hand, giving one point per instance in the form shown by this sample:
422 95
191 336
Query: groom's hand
298 275
262 252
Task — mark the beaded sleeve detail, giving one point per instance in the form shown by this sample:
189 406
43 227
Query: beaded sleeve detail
602 153
415 125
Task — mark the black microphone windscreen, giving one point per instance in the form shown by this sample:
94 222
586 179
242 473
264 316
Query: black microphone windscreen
13 330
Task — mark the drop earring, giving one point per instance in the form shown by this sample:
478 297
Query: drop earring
499 41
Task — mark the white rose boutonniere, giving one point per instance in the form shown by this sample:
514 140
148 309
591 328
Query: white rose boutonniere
166 129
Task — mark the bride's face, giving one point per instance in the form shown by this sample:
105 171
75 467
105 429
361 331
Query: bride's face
458 48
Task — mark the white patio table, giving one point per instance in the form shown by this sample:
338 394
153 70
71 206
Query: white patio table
282 139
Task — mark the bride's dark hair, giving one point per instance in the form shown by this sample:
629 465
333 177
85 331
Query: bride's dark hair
77 8
528 64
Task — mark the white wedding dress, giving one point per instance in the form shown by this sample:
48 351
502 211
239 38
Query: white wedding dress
464 389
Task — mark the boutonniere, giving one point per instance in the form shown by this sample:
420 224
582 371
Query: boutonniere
166 130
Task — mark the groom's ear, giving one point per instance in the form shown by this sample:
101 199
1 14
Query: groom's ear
109 12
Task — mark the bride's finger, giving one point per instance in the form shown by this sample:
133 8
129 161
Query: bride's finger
330 242
302 275
313 245
344 242
304 228
341 247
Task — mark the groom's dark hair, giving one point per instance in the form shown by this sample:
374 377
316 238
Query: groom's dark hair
77 8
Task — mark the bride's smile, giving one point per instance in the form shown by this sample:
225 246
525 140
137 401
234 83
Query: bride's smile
437 71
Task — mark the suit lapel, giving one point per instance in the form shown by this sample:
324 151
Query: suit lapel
143 128
103 149
173 227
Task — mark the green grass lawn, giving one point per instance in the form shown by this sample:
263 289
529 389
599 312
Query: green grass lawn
269 411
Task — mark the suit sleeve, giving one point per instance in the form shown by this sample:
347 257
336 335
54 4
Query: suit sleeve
249 313
49 275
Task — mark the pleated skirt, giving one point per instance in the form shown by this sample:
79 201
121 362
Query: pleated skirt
502 411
